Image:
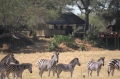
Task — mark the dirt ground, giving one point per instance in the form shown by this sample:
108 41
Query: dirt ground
42 46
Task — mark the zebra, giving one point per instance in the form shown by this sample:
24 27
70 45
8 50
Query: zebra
4 63
47 65
112 65
18 69
95 66
67 67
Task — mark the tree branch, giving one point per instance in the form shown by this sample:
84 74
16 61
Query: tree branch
8 35
80 8
83 3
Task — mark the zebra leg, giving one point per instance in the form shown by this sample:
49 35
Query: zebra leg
41 72
16 75
109 71
112 73
98 72
59 71
3 75
7 74
53 73
90 72
20 75
49 72
13 74
71 73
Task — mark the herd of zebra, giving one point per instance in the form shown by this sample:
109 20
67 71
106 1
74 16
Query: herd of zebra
10 65
51 65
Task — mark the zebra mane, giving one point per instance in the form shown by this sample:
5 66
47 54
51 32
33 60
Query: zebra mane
5 58
101 58
73 60
53 55
25 65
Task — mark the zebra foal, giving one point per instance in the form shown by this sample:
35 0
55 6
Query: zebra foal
47 65
17 69
67 67
95 66
112 65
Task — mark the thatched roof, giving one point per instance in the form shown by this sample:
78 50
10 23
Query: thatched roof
67 18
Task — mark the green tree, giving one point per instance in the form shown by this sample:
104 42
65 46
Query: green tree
28 13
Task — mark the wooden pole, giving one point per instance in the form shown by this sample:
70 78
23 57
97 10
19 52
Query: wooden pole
115 41
106 42
118 42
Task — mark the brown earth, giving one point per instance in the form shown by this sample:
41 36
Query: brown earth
42 46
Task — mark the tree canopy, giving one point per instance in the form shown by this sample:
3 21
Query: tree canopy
14 14
20 14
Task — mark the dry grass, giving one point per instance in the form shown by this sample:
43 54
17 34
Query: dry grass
66 57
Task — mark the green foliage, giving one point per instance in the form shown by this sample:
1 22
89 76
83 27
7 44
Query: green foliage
1 52
28 13
82 47
98 25
92 38
58 39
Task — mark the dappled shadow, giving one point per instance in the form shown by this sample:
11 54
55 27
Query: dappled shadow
24 45
38 46
42 45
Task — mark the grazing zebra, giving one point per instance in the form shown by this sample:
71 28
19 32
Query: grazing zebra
112 65
45 64
95 66
67 67
18 69
5 62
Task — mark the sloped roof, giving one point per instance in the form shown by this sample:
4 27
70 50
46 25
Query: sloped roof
67 18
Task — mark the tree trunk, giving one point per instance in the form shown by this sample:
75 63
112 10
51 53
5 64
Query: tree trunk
86 22
8 35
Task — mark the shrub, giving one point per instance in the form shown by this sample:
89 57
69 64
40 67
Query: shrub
82 47
92 38
58 39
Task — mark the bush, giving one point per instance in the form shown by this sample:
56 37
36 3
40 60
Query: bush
92 38
58 39
82 47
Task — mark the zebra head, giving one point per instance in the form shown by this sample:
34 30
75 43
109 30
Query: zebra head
55 57
30 68
11 59
27 66
101 60
75 61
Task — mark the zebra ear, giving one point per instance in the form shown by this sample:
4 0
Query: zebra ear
103 57
77 58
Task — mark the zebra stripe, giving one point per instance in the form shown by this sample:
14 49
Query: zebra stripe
95 66
47 65
17 69
5 62
112 65
67 67
41 62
